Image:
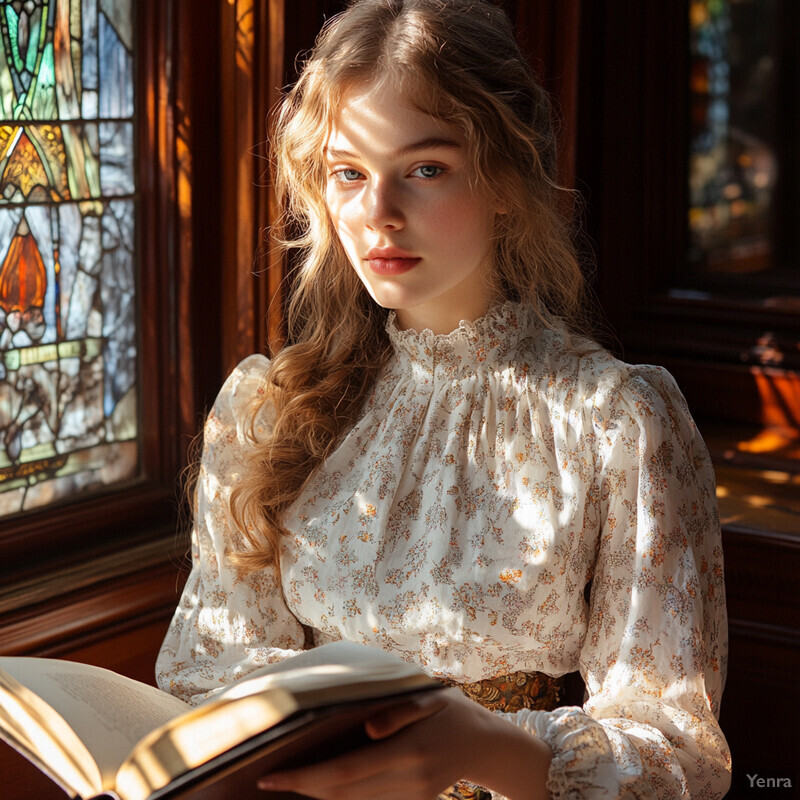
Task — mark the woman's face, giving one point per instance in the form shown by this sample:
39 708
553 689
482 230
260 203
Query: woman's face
400 193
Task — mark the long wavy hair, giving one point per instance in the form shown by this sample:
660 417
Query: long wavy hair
457 60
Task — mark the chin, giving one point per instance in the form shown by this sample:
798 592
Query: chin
390 303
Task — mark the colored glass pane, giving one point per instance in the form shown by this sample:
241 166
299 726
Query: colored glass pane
733 162
68 320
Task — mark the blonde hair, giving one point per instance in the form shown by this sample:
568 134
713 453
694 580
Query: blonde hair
457 60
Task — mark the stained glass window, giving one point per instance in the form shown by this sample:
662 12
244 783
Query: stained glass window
733 161
68 306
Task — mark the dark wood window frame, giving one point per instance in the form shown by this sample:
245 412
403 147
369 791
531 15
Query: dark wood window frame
81 548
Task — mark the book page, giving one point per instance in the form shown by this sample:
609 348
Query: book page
39 733
326 667
108 712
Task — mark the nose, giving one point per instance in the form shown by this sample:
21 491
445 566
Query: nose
384 209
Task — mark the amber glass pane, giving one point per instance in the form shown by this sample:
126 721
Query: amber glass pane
68 320
735 157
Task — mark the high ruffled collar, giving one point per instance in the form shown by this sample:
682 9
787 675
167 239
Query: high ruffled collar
487 340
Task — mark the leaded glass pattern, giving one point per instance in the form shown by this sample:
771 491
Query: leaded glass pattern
68 306
733 164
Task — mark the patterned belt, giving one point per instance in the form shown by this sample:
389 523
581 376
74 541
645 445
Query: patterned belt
510 693
513 692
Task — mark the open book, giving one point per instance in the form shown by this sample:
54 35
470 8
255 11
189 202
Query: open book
96 733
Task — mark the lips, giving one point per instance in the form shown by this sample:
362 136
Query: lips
391 260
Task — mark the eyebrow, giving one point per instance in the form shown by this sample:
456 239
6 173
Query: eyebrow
431 143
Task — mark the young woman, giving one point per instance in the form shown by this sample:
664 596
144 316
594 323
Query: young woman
441 465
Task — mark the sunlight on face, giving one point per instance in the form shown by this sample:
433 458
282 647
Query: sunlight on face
400 195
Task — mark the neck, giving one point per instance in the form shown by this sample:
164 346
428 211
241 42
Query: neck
445 318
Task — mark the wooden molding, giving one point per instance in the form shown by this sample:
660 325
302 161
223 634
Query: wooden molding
252 70
91 614
76 575
762 580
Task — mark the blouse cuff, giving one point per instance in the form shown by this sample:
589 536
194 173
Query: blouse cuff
583 763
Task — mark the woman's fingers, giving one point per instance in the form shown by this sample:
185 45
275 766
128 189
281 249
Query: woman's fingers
364 773
391 720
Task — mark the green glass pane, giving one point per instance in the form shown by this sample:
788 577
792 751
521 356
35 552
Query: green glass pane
27 59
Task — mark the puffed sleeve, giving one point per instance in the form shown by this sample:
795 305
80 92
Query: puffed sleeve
655 654
226 624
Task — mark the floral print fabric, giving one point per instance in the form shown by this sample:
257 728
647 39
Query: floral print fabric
494 473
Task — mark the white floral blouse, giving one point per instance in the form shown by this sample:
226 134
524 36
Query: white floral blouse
495 471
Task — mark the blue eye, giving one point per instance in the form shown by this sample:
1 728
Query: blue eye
348 175
428 171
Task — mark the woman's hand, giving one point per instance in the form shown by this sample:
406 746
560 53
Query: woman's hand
422 747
